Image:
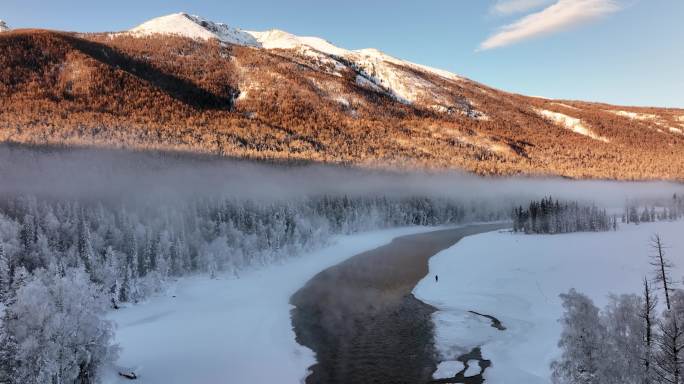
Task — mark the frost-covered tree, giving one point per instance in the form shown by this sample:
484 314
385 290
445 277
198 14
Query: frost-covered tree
5 274
57 324
582 342
669 356
625 347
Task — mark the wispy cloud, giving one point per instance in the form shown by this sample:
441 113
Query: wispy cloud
561 15
509 7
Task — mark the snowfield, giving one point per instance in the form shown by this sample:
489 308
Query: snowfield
517 279
229 329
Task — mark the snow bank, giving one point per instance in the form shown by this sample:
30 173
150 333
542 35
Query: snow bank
229 330
517 279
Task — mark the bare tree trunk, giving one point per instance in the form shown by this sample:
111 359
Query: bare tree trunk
648 316
662 266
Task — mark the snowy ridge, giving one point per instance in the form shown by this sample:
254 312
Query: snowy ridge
399 78
194 27
3 26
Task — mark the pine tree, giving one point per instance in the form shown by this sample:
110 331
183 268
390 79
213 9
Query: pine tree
85 248
5 274
8 351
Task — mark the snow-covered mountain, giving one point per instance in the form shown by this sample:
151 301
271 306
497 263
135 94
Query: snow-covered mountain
3 26
194 27
406 81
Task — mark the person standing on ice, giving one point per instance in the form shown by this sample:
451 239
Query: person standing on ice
436 278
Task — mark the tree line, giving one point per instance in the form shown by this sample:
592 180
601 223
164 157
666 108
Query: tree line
551 216
672 209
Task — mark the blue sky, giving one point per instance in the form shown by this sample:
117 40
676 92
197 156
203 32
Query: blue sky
618 51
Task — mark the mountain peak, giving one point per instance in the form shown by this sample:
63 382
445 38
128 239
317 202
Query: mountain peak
194 27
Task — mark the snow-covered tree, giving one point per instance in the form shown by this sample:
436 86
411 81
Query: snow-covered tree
5 274
669 356
625 347
582 342
57 325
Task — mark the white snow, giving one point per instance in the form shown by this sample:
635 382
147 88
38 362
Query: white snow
230 330
277 39
571 123
363 82
517 278
3 26
473 368
635 115
194 27
675 130
448 369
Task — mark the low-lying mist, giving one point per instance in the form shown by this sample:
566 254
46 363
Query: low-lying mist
112 174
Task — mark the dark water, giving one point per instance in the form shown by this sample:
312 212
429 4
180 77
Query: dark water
362 320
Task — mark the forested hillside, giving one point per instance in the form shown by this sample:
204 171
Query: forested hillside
176 93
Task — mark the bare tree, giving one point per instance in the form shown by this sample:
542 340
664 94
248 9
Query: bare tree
662 267
648 316
670 343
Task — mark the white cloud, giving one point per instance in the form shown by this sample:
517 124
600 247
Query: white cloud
508 7
561 15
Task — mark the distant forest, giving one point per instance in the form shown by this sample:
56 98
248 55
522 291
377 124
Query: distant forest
552 216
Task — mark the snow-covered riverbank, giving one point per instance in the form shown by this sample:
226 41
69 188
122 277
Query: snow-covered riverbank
517 278
229 330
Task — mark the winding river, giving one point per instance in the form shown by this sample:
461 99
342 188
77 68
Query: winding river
362 321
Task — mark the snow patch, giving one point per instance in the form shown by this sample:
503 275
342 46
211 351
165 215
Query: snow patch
447 369
365 83
571 123
566 106
517 279
343 101
676 130
635 115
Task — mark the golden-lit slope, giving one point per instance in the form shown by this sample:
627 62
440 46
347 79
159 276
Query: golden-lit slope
171 92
